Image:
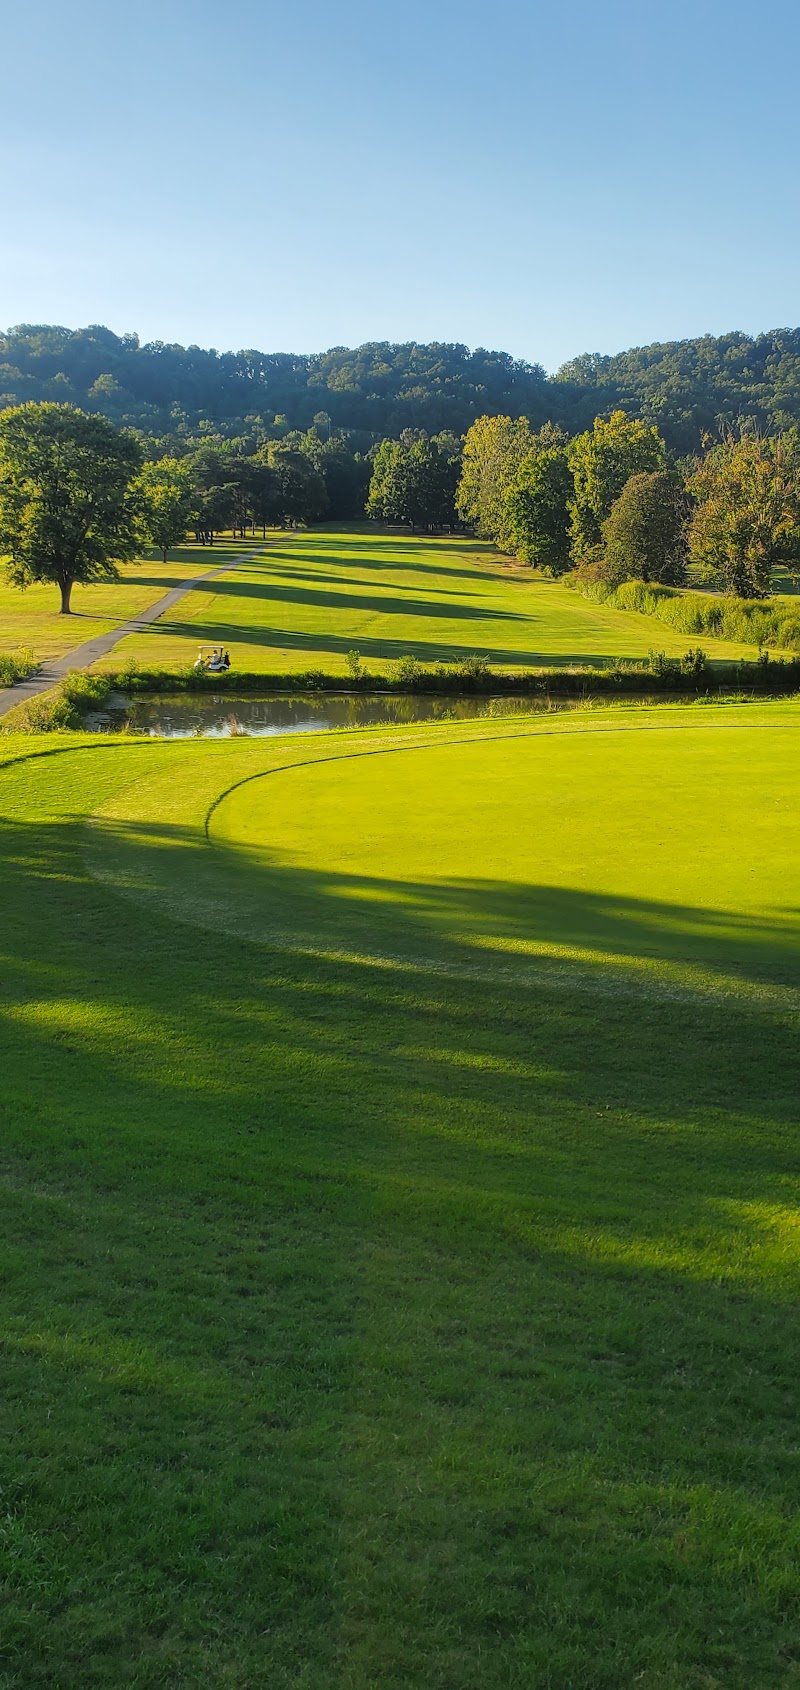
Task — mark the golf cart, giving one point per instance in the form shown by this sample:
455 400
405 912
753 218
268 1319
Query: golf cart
212 660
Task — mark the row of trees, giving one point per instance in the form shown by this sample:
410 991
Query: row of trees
610 503
78 495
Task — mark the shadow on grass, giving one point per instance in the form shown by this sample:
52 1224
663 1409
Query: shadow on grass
375 649
380 603
374 1301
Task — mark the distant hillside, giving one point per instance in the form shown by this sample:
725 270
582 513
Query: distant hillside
689 387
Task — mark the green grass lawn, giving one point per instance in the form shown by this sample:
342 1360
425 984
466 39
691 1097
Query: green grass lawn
314 597
400 1192
31 618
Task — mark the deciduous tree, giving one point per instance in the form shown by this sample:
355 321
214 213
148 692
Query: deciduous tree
66 509
645 536
494 448
748 511
165 499
601 461
535 504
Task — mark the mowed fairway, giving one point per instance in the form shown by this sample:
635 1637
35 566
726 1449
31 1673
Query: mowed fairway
400 1194
312 598
31 618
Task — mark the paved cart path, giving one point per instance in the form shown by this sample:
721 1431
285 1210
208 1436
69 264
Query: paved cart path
83 655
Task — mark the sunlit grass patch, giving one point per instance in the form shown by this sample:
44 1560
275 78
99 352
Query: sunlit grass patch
313 598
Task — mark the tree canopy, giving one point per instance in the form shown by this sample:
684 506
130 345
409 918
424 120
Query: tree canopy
690 388
748 511
67 512
644 537
602 460
414 480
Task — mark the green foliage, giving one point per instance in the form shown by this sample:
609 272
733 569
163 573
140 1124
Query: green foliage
355 667
747 518
693 663
165 500
494 451
175 392
409 671
644 537
300 496
16 666
687 386
535 510
414 481
66 509
61 710
601 461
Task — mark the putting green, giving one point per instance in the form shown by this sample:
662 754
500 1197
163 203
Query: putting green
662 842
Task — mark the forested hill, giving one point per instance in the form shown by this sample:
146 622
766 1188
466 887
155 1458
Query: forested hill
689 387
376 390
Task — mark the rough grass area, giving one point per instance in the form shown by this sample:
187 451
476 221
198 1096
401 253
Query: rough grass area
399 1196
767 622
314 598
31 618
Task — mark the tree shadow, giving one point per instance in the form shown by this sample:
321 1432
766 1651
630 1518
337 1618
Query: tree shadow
321 1266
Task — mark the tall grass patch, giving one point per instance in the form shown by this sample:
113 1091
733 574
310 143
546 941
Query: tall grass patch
747 621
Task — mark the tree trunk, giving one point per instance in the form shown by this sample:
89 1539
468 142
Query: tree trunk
164 553
66 594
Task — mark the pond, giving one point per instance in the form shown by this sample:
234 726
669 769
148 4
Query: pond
204 717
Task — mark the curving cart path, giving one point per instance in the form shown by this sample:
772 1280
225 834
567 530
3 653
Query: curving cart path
83 655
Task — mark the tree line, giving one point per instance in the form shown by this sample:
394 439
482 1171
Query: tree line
612 504
180 395
79 495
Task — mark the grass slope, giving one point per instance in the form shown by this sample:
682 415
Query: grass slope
313 598
399 1208
31 618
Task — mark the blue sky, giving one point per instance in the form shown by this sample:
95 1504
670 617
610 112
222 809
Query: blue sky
540 178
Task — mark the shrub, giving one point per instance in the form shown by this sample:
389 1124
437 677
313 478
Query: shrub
694 661
473 667
355 667
16 666
408 671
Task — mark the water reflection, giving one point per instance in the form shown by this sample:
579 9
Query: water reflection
206 717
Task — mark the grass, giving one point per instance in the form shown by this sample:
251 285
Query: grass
31 618
400 1202
315 597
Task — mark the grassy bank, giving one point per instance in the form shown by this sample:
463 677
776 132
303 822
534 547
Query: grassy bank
78 696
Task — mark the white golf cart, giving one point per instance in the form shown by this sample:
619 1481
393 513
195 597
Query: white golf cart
212 660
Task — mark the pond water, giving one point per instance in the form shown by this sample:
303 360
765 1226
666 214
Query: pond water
204 717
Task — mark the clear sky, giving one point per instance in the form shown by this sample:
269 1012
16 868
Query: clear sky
546 179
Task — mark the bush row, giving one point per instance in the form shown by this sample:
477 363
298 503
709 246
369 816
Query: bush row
63 709
749 621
